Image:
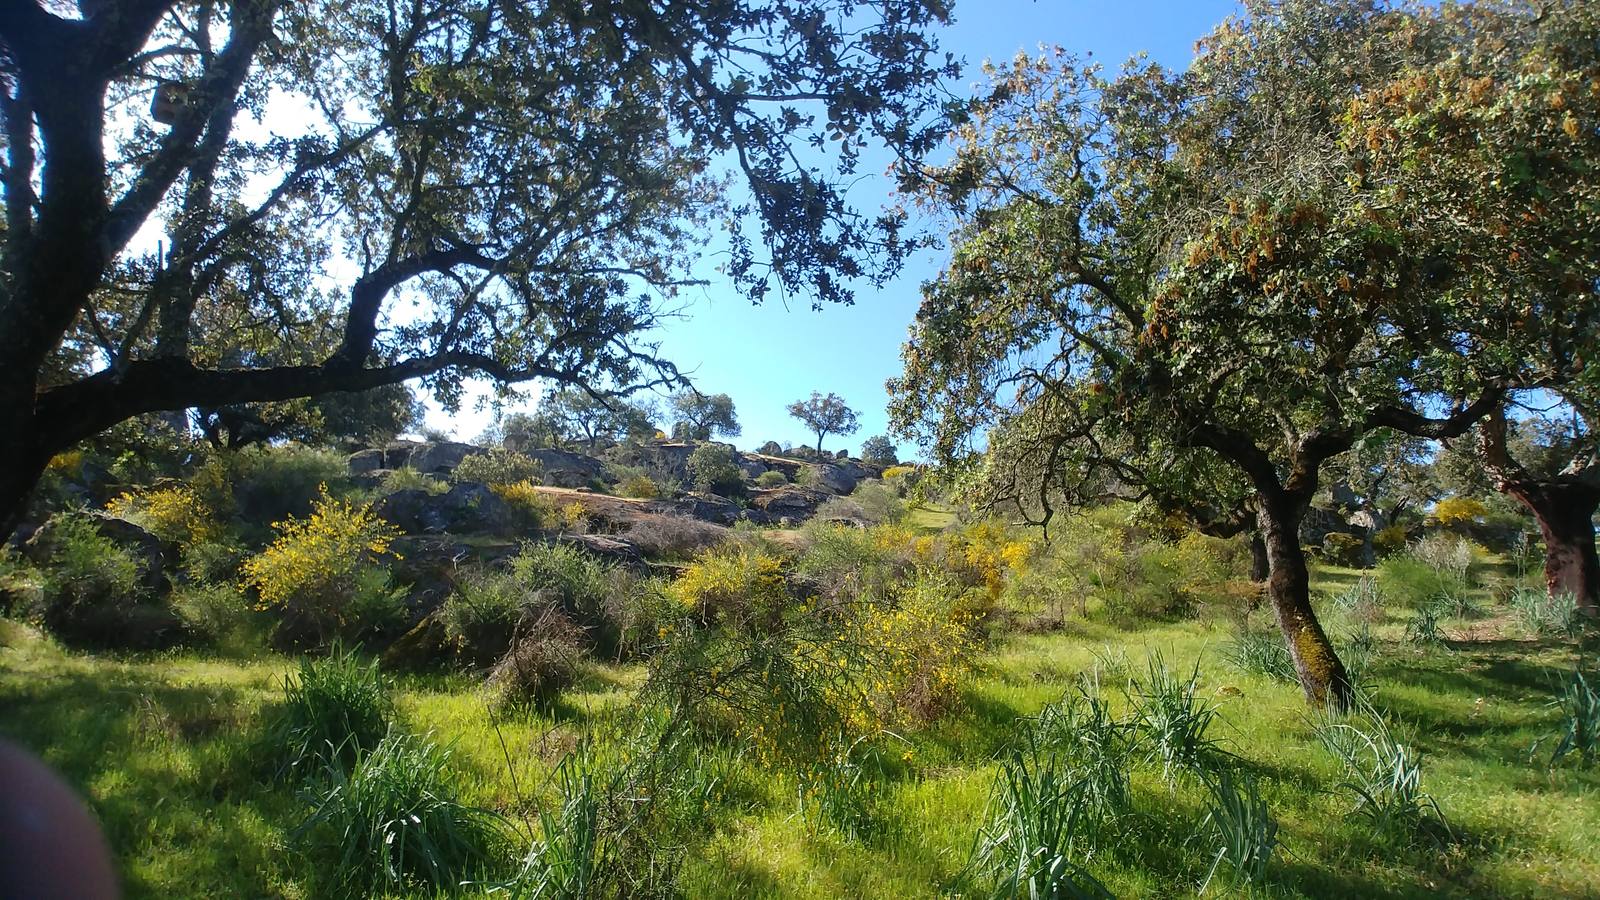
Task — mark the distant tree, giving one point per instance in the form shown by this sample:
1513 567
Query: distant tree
699 417
879 450
580 417
524 431
712 468
340 418
825 415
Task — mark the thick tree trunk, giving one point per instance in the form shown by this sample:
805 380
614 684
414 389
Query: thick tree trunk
1565 513
1322 675
21 465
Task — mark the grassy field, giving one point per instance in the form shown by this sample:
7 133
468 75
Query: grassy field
167 748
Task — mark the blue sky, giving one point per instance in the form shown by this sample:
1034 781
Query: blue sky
767 356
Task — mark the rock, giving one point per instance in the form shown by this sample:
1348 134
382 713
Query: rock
791 502
441 458
364 461
707 508
397 454
671 459
771 448
156 557
425 646
834 479
467 508
751 466
563 468
607 547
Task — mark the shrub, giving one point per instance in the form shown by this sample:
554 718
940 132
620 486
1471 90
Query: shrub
732 584
1172 718
1342 549
543 660
879 451
587 591
1390 540
174 513
1579 707
396 821
1362 601
335 709
480 614
712 468
409 479
1426 627
534 507
320 574
1243 829
847 563
211 562
498 466
215 614
1414 583
1540 614
93 593
1031 842
918 649
1459 511
879 502
899 473
772 478
639 487
268 484
674 535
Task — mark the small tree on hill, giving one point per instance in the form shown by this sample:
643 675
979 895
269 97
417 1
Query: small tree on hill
825 415
699 417
879 450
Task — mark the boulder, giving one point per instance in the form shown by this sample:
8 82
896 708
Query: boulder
363 462
751 466
441 458
707 508
397 454
834 479
791 502
467 508
670 459
606 547
564 468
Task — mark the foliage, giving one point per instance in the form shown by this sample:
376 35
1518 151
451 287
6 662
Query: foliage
321 573
174 513
536 508
772 478
575 415
733 585
216 614
712 468
700 417
1261 654
825 415
498 466
482 613
1542 614
1245 832
894 473
593 594
1459 511
1172 719
1342 549
267 484
639 486
1030 841
395 821
409 479
1578 705
1081 730
546 649
335 709
1382 772
1391 539
879 450
1414 583
92 588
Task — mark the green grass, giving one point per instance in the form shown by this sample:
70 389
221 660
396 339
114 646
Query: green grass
171 751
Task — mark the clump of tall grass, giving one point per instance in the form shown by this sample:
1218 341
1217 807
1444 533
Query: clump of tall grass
1242 828
395 822
1032 843
1579 725
574 853
1361 602
1172 719
1542 614
838 788
334 709
1427 626
1081 728
1260 653
1382 773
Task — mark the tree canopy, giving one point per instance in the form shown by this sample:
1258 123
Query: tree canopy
825 415
1197 288
699 417
477 187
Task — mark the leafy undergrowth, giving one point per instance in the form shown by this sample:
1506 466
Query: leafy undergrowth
169 750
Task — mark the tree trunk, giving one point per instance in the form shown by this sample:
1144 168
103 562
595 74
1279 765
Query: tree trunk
1565 513
1322 675
1260 566
21 465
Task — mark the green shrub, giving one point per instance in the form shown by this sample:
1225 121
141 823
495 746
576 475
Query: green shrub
591 593
395 822
1414 583
480 614
497 466
1342 549
263 485
1262 654
772 478
1081 729
848 563
1448 554
93 590
333 710
712 468
409 479
214 561
1242 828
1542 615
639 487
1579 707
215 614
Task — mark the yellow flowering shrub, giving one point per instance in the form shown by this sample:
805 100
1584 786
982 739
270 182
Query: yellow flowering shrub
640 487
575 516
729 582
67 463
174 513
983 553
920 647
1453 511
1390 540
320 571
896 472
533 504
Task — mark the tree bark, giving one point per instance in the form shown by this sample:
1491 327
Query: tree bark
1565 513
1260 565
1322 674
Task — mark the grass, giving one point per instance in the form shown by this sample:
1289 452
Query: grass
168 749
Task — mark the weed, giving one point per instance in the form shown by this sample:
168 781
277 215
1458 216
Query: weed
1544 615
1382 772
1262 654
1080 727
334 710
1030 845
1172 719
1579 706
1242 827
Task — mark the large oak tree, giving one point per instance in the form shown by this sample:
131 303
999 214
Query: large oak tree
469 187
1200 287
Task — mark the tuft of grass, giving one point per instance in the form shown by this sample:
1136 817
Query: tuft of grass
1383 773
1262 654
1241 826
1540 614
1030 845
335 709
1081 727
1172 719
395 821
1579 729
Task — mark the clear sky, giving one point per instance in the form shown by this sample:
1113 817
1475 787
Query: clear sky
766 356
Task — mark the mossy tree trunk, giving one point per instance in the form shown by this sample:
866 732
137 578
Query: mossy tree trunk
1322 675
